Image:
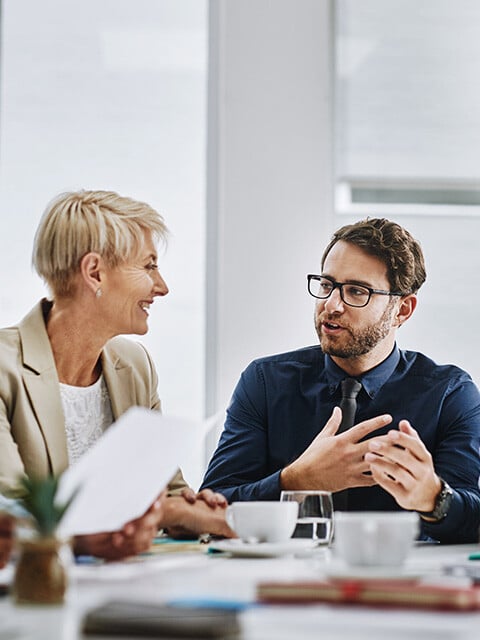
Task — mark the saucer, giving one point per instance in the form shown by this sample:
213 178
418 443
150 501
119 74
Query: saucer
243 549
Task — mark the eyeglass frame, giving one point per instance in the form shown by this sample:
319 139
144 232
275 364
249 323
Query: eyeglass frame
340 285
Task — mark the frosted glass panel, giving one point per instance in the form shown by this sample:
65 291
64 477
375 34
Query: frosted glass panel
408 90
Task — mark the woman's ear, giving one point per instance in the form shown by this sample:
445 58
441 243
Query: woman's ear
92 269
406 308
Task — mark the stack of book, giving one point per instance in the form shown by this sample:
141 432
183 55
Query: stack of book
374 592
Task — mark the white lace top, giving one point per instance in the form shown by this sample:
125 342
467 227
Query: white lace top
88 413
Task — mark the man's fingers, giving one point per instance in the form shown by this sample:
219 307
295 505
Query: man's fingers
397 444
331 427
362 429
406 427
357 432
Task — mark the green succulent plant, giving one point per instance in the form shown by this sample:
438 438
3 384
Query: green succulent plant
39 501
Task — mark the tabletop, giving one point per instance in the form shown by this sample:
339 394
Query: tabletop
197 577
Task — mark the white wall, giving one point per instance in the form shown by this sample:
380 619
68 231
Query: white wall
270 179
110 95
270 187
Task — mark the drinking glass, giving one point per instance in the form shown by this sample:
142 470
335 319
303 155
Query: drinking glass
315 509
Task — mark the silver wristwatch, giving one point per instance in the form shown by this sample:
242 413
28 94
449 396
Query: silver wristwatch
442 503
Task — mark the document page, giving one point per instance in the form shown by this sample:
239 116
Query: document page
123 473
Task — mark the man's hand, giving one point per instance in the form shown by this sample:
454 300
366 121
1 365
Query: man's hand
6 538
402 465
134 537
334 462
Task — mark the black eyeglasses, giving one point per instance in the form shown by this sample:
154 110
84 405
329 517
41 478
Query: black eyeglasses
355 295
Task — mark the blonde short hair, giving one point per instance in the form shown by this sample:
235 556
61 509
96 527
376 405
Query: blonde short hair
77 222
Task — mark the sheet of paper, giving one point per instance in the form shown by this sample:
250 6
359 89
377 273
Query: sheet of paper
120 477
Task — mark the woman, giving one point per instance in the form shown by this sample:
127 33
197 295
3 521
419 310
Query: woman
66 375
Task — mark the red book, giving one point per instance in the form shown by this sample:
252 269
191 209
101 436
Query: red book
377 592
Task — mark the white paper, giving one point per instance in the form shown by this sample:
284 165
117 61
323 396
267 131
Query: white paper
124 472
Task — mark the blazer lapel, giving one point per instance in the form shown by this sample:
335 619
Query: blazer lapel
41 382
119 380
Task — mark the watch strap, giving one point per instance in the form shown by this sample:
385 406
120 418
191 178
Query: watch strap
442 503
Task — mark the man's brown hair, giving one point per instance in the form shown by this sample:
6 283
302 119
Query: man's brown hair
393 245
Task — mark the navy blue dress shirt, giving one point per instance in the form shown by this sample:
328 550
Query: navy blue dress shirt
281 403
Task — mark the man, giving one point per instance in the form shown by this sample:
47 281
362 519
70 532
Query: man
415 443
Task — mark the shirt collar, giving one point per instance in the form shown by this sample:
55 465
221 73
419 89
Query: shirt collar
372 381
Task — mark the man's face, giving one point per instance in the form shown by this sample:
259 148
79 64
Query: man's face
348 333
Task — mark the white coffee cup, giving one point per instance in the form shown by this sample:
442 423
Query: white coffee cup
375 538
263 521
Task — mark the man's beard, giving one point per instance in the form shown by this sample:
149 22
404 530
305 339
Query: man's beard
359 343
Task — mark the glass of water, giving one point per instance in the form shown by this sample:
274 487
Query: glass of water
315 514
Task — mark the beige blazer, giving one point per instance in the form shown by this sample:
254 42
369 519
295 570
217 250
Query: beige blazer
32 427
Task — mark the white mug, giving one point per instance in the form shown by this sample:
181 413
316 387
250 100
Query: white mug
263 521
375 538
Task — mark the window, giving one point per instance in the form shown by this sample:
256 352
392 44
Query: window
407 107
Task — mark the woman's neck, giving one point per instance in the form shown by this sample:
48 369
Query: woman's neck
75 345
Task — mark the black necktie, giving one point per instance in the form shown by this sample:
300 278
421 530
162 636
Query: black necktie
348 405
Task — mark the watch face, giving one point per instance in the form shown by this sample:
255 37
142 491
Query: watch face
442 503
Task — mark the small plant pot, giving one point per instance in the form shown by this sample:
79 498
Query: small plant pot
41 575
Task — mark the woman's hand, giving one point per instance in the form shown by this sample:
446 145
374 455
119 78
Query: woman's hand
134 537
208 496
185 519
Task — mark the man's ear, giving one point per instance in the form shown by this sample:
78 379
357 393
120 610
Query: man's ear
406 308
92 269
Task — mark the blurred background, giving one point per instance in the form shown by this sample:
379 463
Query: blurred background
256 127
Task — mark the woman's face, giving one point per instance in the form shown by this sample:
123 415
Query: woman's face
130 289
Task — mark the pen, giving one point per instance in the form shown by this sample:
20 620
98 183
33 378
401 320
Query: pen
87 560
212 603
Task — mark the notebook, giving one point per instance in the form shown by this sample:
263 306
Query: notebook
130 618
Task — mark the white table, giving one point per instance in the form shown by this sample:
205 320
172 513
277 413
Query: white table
193 575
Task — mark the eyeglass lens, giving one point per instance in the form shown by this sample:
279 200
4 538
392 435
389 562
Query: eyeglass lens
352 294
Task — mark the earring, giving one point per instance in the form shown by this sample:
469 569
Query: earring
98 293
